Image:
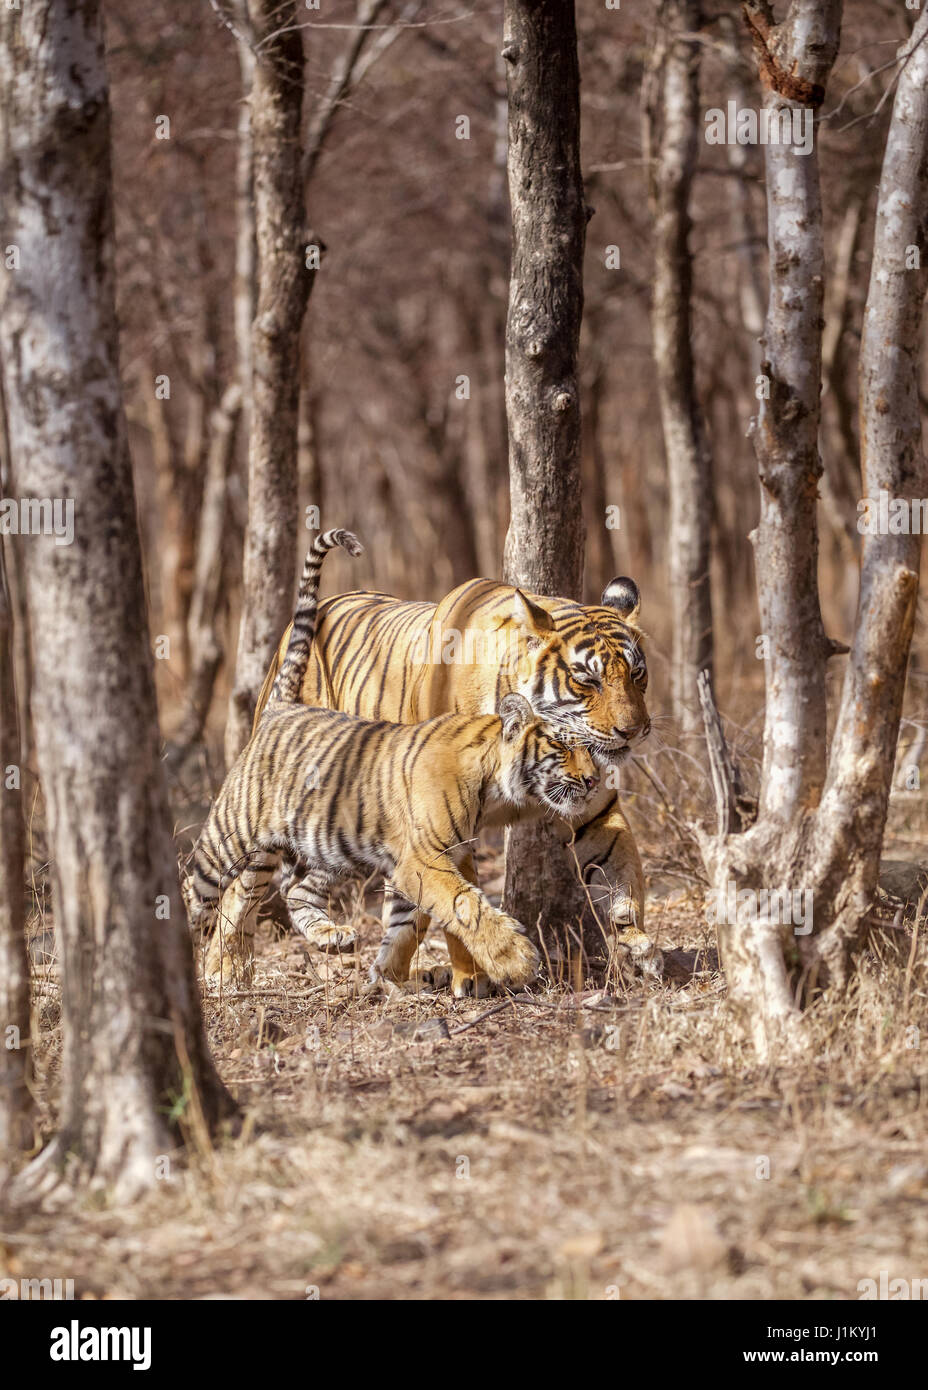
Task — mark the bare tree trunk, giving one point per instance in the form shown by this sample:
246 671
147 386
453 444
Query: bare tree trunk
671 116
309 462
794 62
173 494
750 258
830 853
600 562
853 810
135 1049
284 282
16 1108
544 544
245 249
840 482
206 598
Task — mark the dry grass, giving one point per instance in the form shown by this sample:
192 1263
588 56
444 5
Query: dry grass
566 1148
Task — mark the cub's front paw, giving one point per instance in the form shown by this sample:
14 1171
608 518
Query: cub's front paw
430 978
326 936
515 961
471 985
229 959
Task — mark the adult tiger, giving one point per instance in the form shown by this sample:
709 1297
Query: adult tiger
582 668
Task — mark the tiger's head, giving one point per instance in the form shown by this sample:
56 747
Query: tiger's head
585 674
536 765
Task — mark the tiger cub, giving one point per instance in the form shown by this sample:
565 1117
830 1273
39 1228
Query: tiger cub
345 796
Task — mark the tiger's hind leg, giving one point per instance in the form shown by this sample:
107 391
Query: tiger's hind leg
306 893
231 951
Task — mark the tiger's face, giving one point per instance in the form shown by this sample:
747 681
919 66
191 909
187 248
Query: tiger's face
536 765
587 677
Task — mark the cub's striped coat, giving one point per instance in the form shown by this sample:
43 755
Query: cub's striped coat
346 796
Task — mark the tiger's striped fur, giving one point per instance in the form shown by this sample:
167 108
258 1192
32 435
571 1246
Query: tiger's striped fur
582 669
289 678
346 796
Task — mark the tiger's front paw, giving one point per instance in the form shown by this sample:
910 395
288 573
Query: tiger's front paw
326 936
229 959
430 979
471 985
641 949
512 959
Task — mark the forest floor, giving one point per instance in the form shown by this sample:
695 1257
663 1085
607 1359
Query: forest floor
574 1146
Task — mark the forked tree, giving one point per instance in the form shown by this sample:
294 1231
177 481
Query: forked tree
822 811
136 1068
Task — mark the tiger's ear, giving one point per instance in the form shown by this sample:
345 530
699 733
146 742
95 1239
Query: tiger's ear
536 621
622 594
515 712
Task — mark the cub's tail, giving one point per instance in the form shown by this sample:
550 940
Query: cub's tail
286 687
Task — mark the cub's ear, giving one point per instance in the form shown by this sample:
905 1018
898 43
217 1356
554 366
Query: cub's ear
536 621
622 595
515 712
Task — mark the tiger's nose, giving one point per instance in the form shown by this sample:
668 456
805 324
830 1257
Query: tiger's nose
635 729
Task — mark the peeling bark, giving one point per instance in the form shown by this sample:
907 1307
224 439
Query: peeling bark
794 61
135 1049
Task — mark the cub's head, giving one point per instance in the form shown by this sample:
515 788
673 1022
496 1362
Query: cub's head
535 765
585 674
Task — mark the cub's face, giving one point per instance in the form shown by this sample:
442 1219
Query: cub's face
587 677
537 765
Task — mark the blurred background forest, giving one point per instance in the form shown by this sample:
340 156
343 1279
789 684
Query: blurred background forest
411 297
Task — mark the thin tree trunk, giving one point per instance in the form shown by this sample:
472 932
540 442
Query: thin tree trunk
206 598
16 1108
750 258
544 543
172 492
672 118
135 1048
794 62
284 283
245 249
309 462
841 479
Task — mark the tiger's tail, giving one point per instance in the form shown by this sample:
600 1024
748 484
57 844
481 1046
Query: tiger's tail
286 687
